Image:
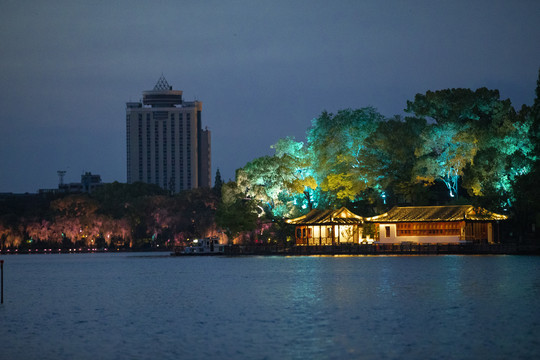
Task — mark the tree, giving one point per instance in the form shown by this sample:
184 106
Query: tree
466 128
115 198
510 168
297 166
338 145
262 181
127 208
390 157
199 206
459 106
235 213
74 217
504 156
218 183
443 154
281 183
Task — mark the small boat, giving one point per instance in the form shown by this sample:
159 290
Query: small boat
206 246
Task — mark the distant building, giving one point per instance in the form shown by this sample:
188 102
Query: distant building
89 183
166 144
437 224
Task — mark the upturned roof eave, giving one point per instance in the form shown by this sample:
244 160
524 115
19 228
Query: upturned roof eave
454 213
327 217
405 220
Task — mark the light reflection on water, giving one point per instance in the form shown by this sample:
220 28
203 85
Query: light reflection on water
112 306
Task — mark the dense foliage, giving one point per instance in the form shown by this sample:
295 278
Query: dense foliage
139 216
455 146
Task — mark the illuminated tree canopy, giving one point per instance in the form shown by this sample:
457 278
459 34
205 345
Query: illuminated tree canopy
445 150
392 156
338 143
475 136
505 155
282 182
465 139
454 142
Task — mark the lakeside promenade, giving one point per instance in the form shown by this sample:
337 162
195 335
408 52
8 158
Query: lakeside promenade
328 250
385 249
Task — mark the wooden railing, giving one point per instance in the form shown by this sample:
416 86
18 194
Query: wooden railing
383 249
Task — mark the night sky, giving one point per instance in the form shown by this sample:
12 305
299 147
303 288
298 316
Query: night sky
263 70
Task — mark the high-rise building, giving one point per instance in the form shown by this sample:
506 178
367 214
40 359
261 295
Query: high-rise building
166 144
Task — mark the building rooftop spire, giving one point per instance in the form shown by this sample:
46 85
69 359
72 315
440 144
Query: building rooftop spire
162 95
162 84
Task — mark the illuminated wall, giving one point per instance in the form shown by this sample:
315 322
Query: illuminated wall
436 232
388 234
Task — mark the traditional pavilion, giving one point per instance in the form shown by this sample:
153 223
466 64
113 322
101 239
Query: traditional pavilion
328 227
437 224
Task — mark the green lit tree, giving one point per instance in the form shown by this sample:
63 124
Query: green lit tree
338 146
443 154
297 166
508 152
469 129
504 157
390 153
281 183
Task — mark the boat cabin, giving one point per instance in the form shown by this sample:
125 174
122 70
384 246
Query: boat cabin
437 224
206 246
328 227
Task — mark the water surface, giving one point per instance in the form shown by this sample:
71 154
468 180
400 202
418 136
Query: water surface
148 306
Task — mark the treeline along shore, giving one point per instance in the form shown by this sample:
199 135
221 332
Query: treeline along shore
455 147
115 217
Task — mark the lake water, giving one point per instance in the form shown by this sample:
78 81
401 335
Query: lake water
154 306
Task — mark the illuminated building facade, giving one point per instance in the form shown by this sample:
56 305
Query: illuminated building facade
328 227
437 224
166 144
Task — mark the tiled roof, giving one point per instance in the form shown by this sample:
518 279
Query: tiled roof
322 217
436 213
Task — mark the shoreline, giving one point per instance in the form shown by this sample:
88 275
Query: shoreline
377 249
328 250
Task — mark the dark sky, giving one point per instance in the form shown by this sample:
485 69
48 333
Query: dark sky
263 70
